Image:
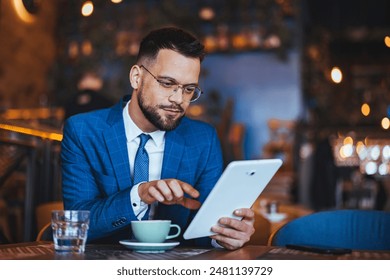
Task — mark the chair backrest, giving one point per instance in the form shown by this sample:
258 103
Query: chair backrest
353 229
46 233
43 216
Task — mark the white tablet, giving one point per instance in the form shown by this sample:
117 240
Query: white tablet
238 187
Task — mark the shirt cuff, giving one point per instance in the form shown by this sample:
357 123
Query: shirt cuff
139 207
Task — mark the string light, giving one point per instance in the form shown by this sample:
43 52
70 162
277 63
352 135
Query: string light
87 9
365 109
336 75
387 41
385 123
206 13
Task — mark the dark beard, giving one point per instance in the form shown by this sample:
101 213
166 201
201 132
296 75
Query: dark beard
152 115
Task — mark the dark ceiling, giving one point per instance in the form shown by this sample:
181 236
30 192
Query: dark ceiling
355 27
341 14
349 34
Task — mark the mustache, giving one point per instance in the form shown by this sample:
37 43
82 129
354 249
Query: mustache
172 107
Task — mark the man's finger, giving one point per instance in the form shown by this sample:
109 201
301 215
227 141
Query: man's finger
165 189
188 189
190 203
176 189
245 213
153 192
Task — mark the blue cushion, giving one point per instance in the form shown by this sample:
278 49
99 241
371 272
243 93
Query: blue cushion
352 229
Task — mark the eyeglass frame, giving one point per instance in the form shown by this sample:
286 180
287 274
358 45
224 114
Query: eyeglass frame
196 92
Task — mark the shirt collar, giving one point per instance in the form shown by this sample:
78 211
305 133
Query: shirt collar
133 131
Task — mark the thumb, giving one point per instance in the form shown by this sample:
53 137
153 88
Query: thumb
190 203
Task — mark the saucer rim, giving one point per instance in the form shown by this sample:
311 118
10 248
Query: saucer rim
132 242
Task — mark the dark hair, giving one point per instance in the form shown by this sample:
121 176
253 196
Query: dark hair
170 38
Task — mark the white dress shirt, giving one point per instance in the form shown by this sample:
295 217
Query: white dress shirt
154 147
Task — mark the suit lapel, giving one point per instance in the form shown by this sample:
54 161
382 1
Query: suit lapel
115 139
173 153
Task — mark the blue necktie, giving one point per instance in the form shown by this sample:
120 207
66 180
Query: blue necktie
141 162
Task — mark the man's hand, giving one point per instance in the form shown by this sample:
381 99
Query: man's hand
232 233
169 191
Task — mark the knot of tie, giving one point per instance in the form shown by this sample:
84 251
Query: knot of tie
144 138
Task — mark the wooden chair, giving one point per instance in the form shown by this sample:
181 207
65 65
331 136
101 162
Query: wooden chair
262 231
264 227
5 232
46 233
43 218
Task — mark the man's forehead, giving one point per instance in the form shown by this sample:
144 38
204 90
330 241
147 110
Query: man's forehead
176 65
175 57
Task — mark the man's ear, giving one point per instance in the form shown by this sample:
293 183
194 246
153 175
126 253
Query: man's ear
135 76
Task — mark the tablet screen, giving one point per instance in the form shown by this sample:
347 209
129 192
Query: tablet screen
238 187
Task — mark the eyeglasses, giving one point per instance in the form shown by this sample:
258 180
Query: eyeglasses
190 92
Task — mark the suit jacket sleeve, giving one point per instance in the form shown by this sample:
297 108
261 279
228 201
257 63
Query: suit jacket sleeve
88 182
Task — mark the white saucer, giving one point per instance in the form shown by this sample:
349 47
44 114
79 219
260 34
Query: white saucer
141 247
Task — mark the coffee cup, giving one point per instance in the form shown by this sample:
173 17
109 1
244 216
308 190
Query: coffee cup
153 231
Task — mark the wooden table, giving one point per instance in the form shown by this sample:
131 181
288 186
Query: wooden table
45 251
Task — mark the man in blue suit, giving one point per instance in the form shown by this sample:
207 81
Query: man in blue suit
185 161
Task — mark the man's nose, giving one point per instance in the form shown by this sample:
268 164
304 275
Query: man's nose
177 95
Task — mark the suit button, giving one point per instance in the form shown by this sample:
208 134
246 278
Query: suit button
119 222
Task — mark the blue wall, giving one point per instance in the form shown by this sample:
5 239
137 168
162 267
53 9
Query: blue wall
262 87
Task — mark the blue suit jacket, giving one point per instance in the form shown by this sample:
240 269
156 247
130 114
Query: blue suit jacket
96 170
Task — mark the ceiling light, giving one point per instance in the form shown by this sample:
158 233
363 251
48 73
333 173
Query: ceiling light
206 13
336 75
87 9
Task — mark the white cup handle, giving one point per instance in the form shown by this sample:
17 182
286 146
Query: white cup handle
176 234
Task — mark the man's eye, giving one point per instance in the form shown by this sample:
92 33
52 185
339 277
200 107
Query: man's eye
190 89
166 84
